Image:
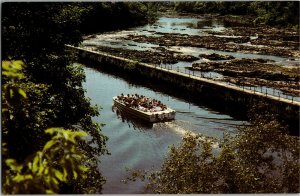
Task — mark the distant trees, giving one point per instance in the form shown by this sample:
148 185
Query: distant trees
107 16
280 13
276 13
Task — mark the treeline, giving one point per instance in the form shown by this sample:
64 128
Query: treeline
111 16
274 13
45 114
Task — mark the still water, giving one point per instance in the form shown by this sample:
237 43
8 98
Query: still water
138 146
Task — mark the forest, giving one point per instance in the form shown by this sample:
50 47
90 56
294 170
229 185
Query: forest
50 143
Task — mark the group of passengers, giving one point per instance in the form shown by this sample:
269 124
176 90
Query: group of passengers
142 103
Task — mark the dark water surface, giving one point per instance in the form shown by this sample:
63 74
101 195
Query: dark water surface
140 146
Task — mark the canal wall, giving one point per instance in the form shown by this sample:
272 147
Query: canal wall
213 91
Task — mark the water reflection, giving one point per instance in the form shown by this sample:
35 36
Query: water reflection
137 145
131 120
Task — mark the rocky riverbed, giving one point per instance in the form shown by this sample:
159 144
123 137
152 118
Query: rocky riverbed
229 37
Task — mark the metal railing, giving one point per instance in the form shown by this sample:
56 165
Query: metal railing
264 91
256 90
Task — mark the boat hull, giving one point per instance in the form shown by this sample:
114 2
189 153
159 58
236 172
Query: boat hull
159 116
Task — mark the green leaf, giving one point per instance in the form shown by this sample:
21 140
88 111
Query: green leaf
18 178
18 65
10 162
75 175
81 134
35 164
6 65
65 173
13 165
49 144
11 92
50 131
59 175
66 135
82 168
49 191
22 93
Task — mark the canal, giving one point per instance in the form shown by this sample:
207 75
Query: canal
133 144
141 146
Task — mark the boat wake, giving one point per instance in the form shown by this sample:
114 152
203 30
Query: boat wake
176 127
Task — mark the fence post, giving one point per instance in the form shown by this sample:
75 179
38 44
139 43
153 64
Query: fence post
292 99
177 69
189 73
266 93
278 96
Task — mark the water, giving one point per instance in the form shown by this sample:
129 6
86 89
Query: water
138 146
184 26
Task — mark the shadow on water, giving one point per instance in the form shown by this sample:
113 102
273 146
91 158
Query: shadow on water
137 123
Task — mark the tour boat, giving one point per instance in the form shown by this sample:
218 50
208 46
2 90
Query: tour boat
150 116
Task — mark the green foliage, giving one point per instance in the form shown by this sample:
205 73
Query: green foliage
36 33
12 69
107 16
60 159
259 159
275 13
32 29
26 113
58 162
131 66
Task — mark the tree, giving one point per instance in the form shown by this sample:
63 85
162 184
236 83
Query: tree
276 13
60 160
261 158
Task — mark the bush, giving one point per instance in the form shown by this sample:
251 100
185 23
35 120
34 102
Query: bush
259 159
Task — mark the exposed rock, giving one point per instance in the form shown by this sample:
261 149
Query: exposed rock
187 58
215 56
